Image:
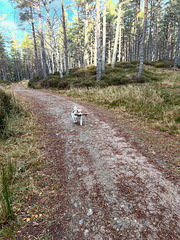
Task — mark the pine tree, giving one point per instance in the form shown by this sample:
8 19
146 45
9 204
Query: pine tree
98 76
143 39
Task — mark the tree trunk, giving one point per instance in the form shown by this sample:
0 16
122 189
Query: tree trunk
53 45
95 42
168 34
157 32
143 39
123 45
150 33
129 47
134 37
172 39
79 40
120 44
44 70
138 26
177 48
86 57
117 36
4 70
104 38
65 39
48 63
34 39
98 75
109 44
91 47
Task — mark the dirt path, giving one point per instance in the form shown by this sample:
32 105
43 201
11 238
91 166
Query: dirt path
107 189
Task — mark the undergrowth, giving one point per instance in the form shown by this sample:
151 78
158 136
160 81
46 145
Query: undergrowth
153 98
19 156
9 108
154 102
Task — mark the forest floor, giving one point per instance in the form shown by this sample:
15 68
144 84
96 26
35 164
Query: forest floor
112 178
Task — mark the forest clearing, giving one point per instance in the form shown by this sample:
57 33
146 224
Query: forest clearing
116 176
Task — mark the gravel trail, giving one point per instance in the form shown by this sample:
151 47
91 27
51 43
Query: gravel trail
113 190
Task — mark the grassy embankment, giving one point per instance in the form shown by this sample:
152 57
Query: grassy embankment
18 159
154 98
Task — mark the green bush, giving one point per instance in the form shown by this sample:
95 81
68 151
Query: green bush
63 84
5 82
80 73
54 83
162 64
44 83
33 81
125 65
115 79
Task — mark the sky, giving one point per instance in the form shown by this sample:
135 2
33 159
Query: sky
10 24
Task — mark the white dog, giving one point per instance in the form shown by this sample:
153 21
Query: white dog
78 113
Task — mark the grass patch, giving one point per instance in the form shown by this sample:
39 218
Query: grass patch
19 157
5 83
155 97
9 108
149 101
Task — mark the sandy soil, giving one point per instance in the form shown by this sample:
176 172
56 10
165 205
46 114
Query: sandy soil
107 187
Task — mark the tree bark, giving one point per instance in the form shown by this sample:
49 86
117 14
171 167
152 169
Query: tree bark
157 32
44 70
150 33
53 45
65 39
109 44
143 39
104 37
138 26
177 48
79 40
86 57
98 75
168 34
95 42
117 36
120 44
34 39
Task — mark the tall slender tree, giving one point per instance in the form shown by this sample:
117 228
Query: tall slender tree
86 55
65 39
117 34
177 48
43 54
104 36
143 39
98 76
